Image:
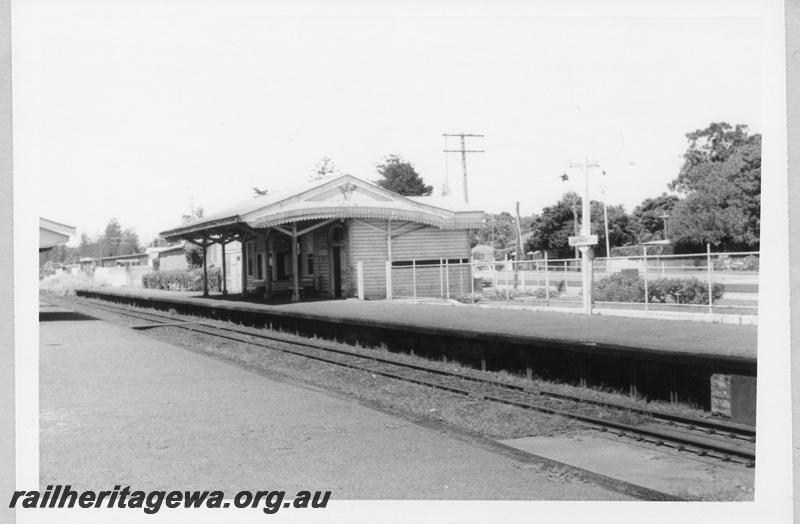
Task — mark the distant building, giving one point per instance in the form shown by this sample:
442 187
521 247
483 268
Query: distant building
168 257
311 239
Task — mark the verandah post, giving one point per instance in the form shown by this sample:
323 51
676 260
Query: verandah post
205 268
224 272
414 278
295 268
244 264
268 269
447 278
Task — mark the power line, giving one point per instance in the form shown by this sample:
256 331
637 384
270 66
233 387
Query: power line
463 152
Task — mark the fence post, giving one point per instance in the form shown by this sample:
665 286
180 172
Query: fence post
414 278
388 280
710 268
360 279
646 294
441 278
546 280
461 278
447 278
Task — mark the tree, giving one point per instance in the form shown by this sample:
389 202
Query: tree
500 230
648 217
87 247
721 181
115 241
400 177
323 168
193 252
553 227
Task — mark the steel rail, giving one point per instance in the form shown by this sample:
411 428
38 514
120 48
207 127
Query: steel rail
357 361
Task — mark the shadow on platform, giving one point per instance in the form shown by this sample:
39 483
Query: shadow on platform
49 316
258 299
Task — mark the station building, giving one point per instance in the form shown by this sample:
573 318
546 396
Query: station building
334 237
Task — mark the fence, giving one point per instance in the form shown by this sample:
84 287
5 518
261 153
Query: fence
120 276
707 282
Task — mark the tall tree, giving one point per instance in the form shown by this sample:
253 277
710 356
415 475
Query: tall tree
115 241
553 227
648 218
500 230
400 176
721 181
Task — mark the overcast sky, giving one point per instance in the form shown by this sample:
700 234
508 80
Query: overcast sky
132 109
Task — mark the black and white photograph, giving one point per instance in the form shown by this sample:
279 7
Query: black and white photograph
440 262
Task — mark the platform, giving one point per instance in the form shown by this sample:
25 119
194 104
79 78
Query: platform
657 335
658 359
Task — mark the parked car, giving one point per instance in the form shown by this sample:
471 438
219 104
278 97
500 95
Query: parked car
485 272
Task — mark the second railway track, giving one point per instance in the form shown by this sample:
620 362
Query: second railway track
705 437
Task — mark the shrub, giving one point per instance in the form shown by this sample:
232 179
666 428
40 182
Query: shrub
638 250
619 287
749 263
683 291
469 298
541 292
66 283
183 279
627 287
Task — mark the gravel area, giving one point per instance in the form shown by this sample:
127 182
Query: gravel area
120 407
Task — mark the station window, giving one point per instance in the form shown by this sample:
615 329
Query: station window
260 266
311 264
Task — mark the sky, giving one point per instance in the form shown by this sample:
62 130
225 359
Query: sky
138 110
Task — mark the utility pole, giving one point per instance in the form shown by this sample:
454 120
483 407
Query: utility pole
463 152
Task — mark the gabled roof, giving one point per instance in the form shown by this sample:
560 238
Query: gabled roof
343 196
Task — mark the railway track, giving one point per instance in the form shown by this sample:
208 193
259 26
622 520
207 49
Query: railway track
710 437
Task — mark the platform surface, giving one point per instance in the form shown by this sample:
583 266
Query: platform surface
120 408
677 336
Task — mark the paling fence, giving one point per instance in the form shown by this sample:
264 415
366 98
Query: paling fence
130 276
707 282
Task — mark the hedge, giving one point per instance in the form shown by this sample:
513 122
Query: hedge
627 287
183 279
638 250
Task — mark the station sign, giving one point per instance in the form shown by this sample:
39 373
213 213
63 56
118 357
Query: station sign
582 240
